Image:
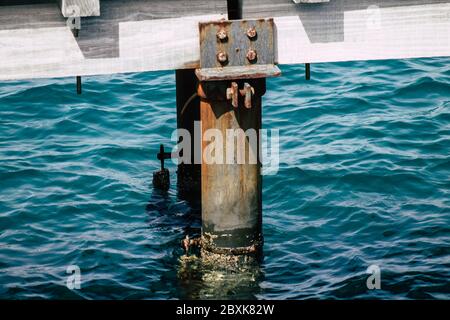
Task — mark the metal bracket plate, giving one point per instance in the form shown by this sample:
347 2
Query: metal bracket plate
238 49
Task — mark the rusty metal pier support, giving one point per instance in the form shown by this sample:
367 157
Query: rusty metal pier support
235 59
231 193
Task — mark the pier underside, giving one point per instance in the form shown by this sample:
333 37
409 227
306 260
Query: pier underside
139 35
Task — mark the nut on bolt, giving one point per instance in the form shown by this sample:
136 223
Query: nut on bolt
251 55
251 32
222 57
222 34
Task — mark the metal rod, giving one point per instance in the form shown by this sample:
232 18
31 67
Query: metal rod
161 151
234 9
78 85
75 34
308 71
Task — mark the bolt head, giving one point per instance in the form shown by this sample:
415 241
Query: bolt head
222 34
222 57
251 55
251 32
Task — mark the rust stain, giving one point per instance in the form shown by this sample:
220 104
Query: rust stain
191 64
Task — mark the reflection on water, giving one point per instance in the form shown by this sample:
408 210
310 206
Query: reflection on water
165 212
191 277
198 280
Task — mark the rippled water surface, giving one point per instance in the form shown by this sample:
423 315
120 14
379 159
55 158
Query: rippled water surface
364 179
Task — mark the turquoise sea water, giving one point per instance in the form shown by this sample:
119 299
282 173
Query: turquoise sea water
364 179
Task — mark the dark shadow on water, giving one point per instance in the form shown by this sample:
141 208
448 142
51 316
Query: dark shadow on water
188 276
174 213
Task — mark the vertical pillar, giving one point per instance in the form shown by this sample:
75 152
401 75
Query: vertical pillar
234 9
188 111
231 193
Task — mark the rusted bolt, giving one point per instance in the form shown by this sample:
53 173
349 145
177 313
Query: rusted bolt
251 55
251 32
222 34
232 94
247 93
222 57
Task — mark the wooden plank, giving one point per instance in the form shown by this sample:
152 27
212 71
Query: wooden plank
310 1
79 8
135 36
99 37
390 33
153 53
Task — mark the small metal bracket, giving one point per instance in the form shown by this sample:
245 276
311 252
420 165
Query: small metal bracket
162 155
161 178
238 49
